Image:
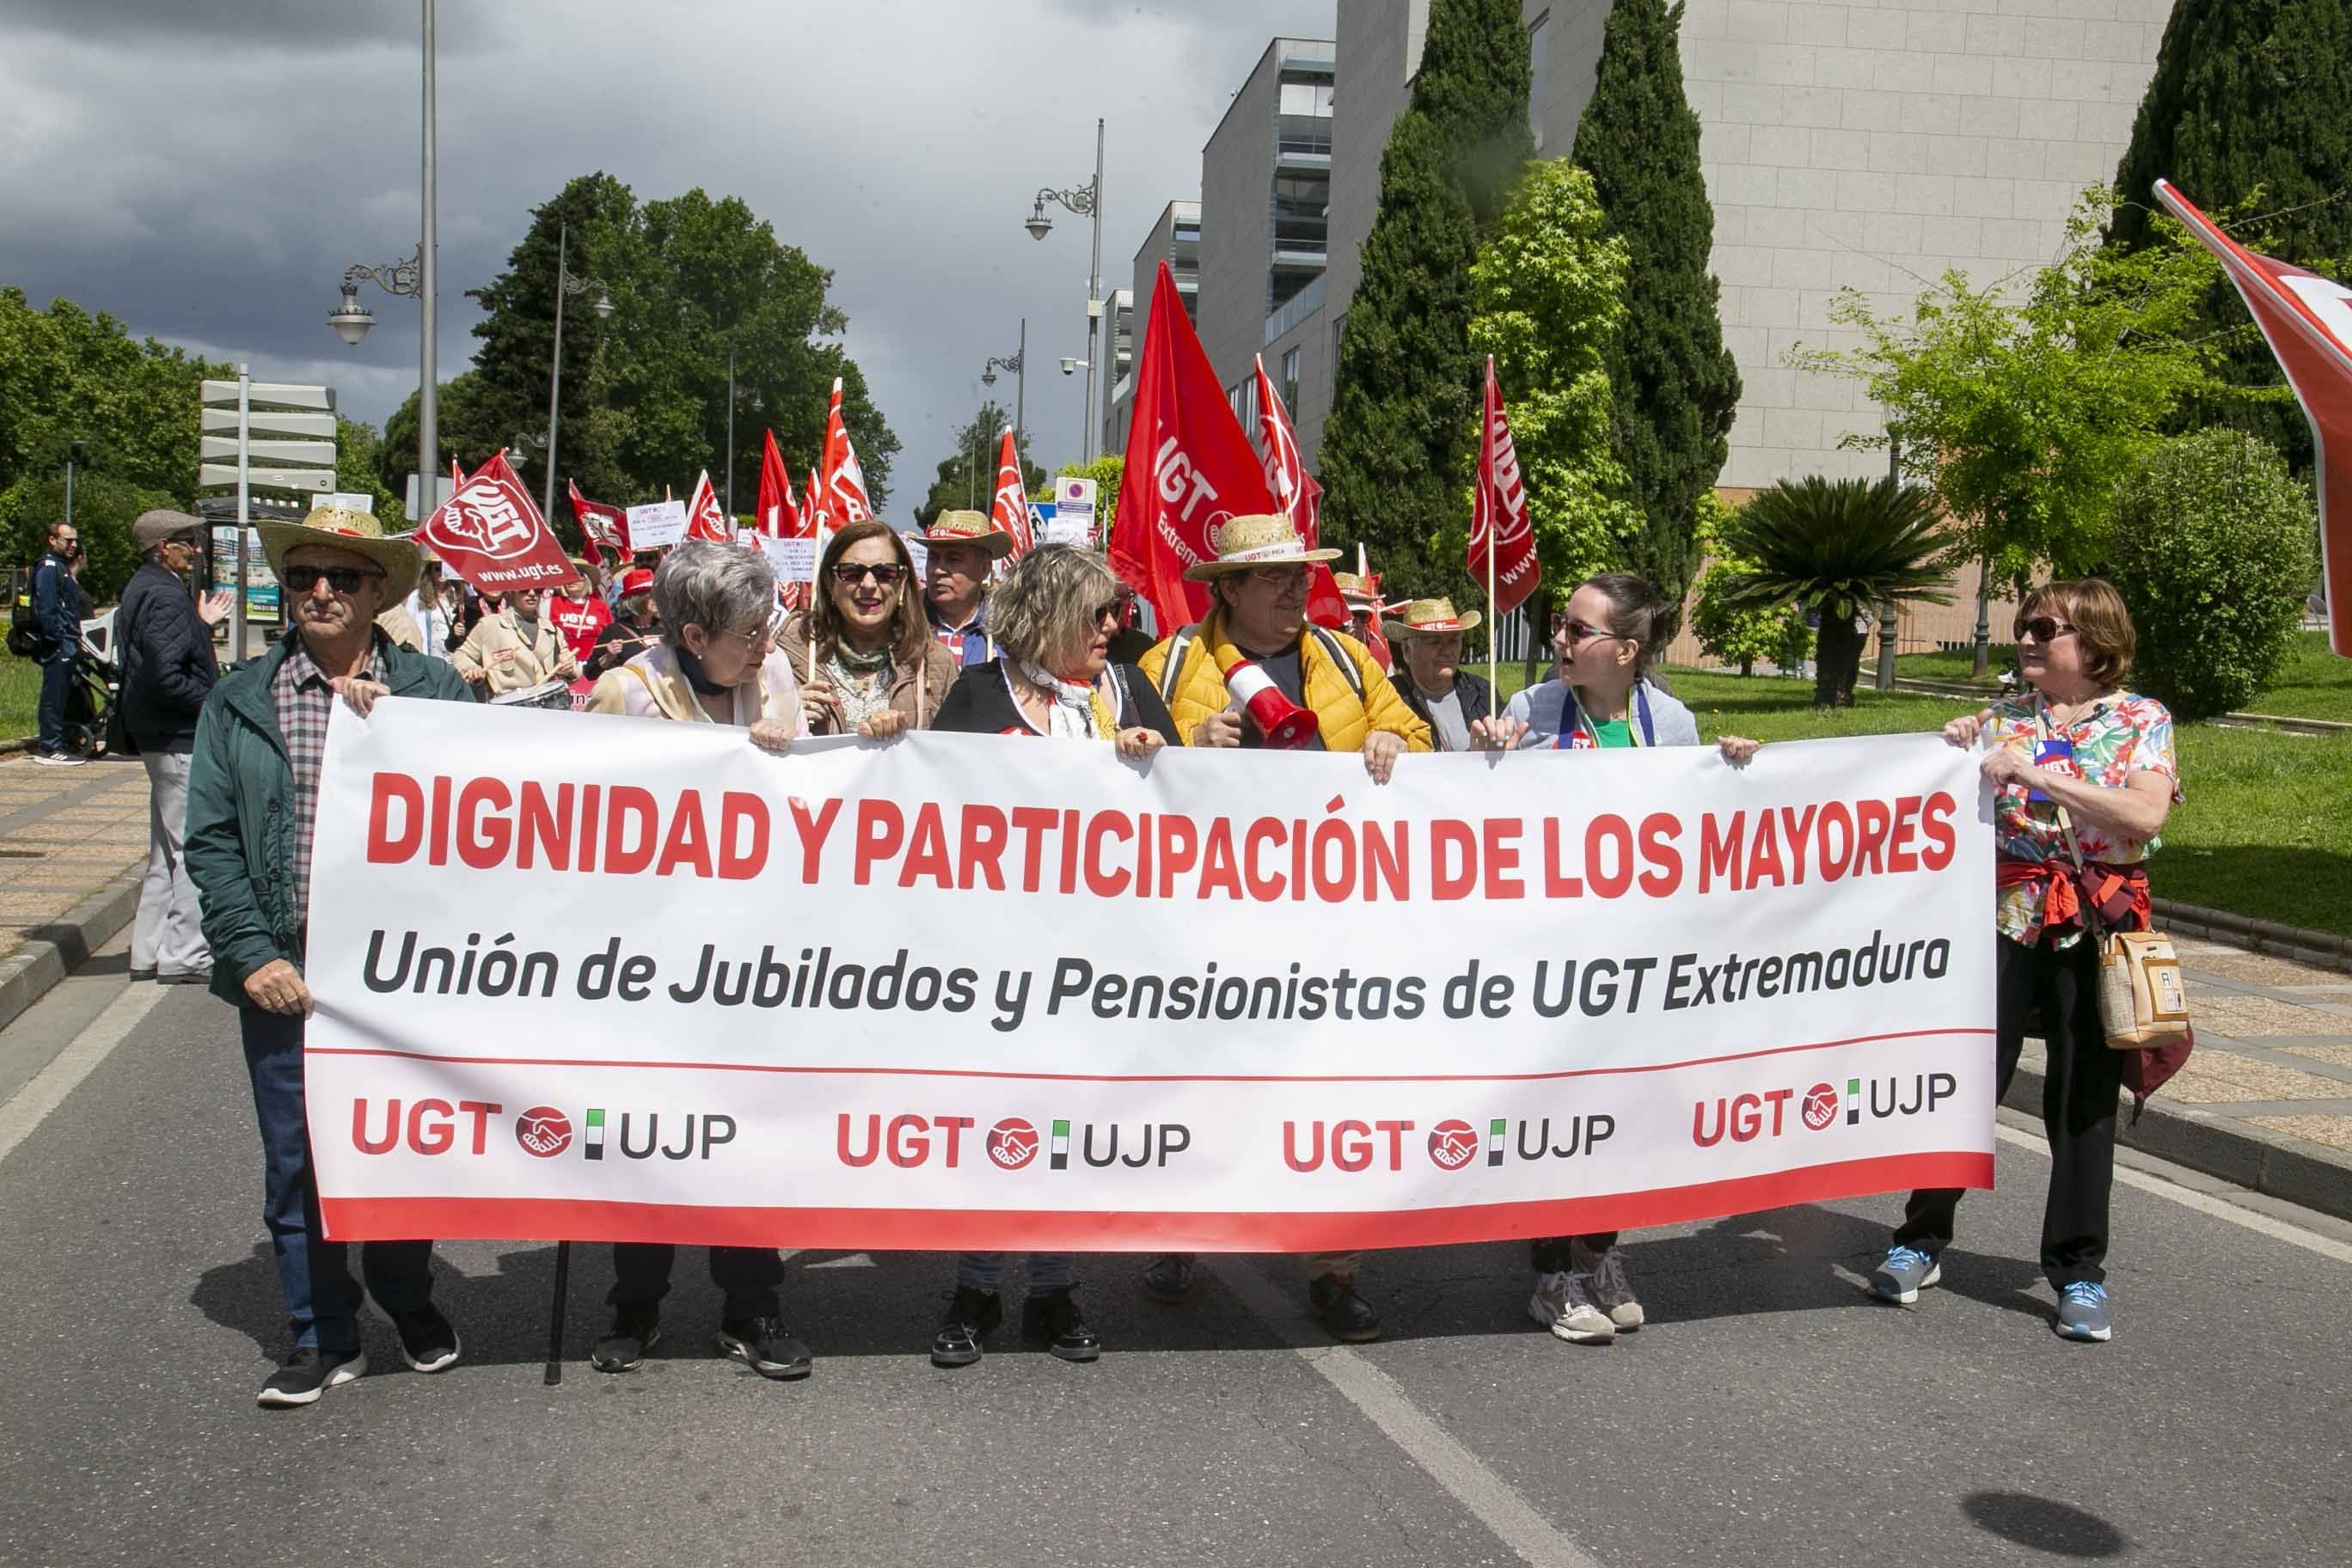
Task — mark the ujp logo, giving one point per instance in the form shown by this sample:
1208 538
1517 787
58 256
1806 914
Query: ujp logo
544 1131
1012 1143
1453 1144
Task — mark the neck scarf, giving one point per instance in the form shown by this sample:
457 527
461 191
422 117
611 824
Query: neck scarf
861 683
1078 713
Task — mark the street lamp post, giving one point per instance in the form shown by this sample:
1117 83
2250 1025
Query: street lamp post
731 437
564 284
1086 202
1017 365
411 278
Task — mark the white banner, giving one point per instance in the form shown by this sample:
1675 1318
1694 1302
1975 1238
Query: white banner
624 979
656 525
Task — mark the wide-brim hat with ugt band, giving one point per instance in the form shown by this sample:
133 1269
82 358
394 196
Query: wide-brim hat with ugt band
342 528
971 528
1260 539
1428 618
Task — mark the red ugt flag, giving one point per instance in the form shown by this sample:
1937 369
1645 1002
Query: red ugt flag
1297 497
1189 468
845 500
780 515
602 527
704 520
491 535
1008 511
1502 546
2307 321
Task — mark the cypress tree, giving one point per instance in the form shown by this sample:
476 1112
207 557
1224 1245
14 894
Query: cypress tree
1676 387
1396 448
2249 96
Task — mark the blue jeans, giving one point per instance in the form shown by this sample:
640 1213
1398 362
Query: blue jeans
1048 1271
322 1304
56 676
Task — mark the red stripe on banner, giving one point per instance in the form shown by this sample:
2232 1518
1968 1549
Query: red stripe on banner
1032 1230
1132 1077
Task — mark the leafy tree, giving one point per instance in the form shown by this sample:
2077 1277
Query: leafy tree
1744 638
1405 393
1837 550
2251 105
66 375
463 428
1676 387
104 507
2213 555
2019 412
966 480
1549 292
359 468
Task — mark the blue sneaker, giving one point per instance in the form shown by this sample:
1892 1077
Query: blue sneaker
2083 1314
1903 1274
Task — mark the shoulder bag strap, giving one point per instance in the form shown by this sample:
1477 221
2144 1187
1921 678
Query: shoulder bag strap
1179 647
1336 652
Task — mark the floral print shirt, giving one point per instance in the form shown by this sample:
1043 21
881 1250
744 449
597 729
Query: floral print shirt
2119 736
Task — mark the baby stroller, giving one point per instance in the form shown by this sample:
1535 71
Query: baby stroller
90 696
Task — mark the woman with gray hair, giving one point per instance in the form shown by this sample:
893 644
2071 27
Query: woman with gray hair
1054 614
716 664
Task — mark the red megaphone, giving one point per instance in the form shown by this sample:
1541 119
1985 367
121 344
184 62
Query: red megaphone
1285 726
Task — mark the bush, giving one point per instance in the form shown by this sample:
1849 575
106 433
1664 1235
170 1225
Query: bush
2213 554
104 507
1741 637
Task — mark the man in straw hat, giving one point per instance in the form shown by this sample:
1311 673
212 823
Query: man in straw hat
1260 579
253 791
963 551
1361 589
1431 682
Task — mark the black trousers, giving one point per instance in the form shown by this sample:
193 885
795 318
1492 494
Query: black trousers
750 1276
1549 1254
2078 1108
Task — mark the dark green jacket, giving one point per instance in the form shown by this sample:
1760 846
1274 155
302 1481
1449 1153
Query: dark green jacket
239 844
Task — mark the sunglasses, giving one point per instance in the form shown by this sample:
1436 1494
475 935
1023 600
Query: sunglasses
849 575
2042 629
1115 609
1580 634
342 579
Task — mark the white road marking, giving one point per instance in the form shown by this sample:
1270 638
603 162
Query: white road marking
2203 1203
50 1087
1488 1497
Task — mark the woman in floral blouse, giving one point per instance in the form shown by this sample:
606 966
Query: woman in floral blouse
2077 743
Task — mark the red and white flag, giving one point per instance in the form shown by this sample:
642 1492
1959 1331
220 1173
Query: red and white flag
845 500
704 517
1008 511
602 527
2307 321
1190 467
780 515
1297 497
1502 546
490 534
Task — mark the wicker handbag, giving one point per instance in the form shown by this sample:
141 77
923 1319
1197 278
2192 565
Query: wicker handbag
2143 1000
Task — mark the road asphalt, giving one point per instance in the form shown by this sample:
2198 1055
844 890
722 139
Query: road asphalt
1769 1415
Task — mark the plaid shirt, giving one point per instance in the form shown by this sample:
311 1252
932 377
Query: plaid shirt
304 701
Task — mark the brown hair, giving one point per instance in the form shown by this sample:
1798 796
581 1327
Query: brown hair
913 626
2102 627
1635 610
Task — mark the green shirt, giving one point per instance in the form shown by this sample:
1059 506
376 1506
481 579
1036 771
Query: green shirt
1617 732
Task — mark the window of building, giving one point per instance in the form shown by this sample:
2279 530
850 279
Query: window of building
1538 50
1305 97
1290 379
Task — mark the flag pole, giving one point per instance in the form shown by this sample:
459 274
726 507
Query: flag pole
1494 624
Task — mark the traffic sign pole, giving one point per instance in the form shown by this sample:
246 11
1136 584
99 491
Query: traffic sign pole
244 503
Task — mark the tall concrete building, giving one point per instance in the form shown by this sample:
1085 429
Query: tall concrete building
1175 238
1871 143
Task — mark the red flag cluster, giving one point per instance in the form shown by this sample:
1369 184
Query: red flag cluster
1297 497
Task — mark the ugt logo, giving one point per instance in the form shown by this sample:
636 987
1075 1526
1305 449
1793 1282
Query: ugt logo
483 517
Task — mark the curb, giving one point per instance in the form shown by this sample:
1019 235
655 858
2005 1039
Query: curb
2322 949
64 945
2309 1174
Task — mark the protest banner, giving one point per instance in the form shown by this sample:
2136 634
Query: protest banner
656 525
622 980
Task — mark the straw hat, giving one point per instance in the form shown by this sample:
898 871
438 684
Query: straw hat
355 532
1363 592
966 528
1430 618
1262 539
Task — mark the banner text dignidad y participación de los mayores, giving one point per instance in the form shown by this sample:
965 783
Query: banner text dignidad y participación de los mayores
620 979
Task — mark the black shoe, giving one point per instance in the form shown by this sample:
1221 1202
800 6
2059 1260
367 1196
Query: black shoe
138 974
427 1343
1169 1279
635 1330
182 978
1343 1314
307 1374
972 1315
1053 1317
766 1346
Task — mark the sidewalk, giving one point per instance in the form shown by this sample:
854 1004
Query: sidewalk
66 834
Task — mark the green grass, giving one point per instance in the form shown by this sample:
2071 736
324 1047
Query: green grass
1948 664
2265 831
2315 684
20 697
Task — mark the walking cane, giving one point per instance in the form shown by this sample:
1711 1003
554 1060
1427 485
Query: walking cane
555 1314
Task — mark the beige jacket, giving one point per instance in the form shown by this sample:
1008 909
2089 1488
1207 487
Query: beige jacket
496 652
916 690
651 685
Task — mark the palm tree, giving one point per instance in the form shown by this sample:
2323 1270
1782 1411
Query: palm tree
1839 549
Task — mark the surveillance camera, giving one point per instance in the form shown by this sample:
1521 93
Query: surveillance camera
1070 366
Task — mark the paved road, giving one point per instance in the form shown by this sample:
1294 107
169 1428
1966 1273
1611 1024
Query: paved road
1768 1417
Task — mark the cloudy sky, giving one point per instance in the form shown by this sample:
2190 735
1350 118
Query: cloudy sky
205 169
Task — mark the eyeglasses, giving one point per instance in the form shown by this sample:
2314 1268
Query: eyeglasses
1579 633
2042 629
342 579
850 574
1279 577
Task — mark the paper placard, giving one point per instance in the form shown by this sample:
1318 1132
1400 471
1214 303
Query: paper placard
656 525
793 559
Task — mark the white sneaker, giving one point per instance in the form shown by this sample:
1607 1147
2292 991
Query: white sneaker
1605 1279
60 760
1561 1305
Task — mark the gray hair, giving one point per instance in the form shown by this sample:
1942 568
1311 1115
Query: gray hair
719 587
1042 609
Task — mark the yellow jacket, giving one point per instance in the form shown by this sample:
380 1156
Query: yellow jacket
1199 688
